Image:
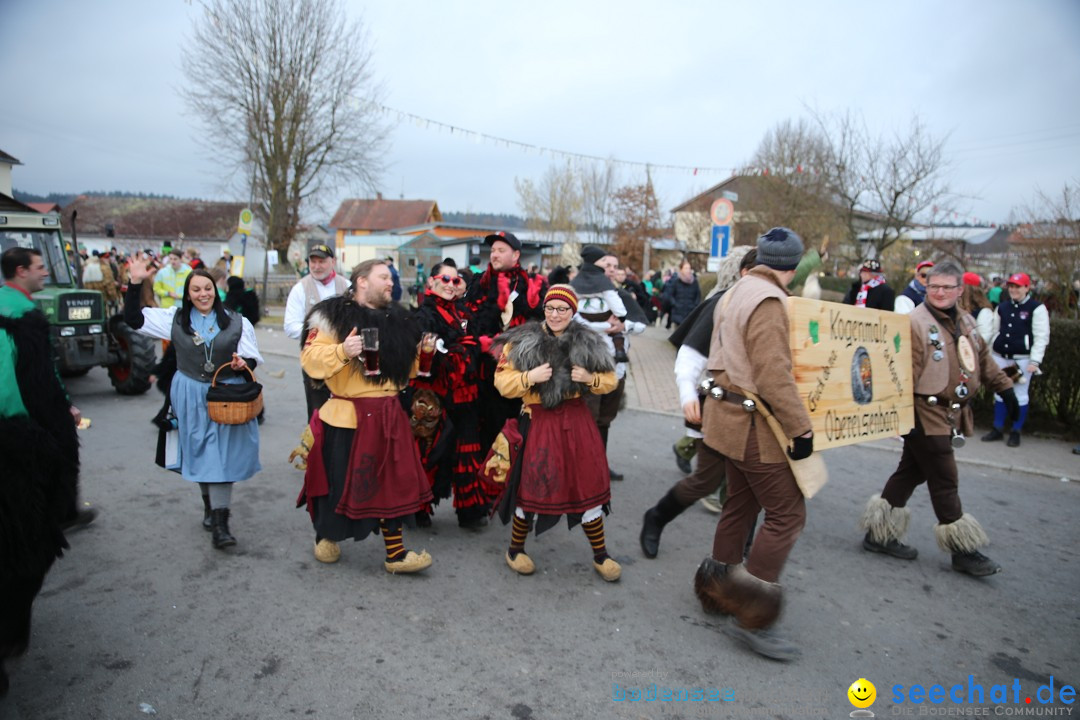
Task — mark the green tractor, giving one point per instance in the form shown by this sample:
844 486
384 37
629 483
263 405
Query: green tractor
82 335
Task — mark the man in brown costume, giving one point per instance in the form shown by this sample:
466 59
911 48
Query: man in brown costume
950 361
749 353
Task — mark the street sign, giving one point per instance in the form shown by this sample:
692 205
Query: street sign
728 195
722 211
246 218
721 240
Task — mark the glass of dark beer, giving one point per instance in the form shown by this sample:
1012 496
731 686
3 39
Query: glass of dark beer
369 342
427 353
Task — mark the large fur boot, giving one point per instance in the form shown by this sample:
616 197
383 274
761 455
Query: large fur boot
883 521
731 590
963 536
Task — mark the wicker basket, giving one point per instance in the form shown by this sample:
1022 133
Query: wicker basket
233 412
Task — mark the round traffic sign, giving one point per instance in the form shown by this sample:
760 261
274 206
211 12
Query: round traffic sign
722 211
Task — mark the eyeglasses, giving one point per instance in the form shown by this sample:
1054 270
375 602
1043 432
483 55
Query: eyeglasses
552 310
941 288
450 280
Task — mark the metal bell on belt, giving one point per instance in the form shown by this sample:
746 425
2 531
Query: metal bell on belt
716 392
932 400
957 440
749 405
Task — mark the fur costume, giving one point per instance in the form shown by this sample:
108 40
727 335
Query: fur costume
399 334
883 521
40 481
488 296
532 345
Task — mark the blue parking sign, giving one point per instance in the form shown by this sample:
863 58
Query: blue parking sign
721 240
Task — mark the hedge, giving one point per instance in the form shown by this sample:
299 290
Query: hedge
1055 395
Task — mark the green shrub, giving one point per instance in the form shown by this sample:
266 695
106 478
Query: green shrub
1055 395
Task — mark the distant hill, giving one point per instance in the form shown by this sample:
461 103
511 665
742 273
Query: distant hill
65 199
484 219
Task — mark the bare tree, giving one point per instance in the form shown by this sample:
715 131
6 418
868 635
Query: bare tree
286 91
889 182
1048 243
553 207
597 187
800 196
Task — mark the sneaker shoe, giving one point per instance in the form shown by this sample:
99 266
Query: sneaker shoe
764 642
411 563
82 518
327 551
894 547
609 569
1014 439
521 563
993 435
974 563
684 465
615 476
712 503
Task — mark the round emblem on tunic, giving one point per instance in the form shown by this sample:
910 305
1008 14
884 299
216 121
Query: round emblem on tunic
966 353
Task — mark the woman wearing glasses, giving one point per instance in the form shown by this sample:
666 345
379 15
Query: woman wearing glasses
561 468
451 451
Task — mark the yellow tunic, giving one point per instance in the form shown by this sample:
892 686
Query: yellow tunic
323 358
514 383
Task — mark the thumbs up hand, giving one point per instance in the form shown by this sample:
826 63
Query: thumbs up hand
352 345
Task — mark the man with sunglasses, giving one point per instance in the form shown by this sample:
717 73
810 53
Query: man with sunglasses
915 293
950 362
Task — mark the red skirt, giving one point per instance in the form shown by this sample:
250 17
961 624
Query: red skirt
564 467
385 478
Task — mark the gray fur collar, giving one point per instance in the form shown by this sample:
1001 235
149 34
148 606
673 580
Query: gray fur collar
532 345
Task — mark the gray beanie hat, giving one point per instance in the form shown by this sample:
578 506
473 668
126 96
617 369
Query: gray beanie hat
780 249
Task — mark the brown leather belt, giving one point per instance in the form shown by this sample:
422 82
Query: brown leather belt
716 392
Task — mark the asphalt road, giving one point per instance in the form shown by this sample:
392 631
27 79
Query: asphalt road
143 613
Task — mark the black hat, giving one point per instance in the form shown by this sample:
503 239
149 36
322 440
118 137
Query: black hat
780 249
591 253
322 251
871 265
502 236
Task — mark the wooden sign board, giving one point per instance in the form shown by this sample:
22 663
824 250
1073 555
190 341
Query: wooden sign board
853 369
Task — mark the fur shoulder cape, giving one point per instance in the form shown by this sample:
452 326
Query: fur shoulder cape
399 333
532 345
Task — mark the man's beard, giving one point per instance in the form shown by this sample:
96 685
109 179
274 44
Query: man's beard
376 299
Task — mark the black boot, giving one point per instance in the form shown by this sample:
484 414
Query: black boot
655 519
207 523
222 538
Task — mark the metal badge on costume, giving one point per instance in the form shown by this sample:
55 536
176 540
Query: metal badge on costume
935 340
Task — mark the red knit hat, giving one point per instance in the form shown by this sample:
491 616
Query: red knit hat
564 293
971 278
923 264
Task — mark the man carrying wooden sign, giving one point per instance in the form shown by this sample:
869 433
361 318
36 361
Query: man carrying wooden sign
950 361
749 357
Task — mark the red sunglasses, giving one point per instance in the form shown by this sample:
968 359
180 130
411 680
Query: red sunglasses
448 279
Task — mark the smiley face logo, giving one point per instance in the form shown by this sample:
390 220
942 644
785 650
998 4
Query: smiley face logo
862 693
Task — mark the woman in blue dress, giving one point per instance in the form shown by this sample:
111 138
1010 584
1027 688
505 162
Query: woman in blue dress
205 336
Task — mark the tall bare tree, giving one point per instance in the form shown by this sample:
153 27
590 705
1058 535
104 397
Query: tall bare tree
898 181
1048 244
286 91
598 184
553 206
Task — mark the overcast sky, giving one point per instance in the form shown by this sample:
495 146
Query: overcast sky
91 99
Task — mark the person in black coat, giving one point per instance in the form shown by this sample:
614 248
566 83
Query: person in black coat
242 300
682 293
871 290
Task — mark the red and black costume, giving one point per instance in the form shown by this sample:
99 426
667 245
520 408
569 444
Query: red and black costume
453 453
487 299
